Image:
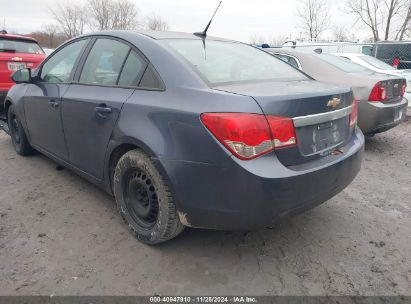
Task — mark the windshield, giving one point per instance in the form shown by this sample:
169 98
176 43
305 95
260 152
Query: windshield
343 64
230 62
20 46
377 63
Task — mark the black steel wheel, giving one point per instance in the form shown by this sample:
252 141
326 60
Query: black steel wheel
18 135
144 199
141 198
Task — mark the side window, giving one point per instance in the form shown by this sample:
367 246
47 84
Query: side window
150 80
59 67
104 62
293 62
132 70
289 60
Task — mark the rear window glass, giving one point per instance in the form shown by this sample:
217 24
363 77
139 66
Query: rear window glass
377 63
343 64
221 62
20 46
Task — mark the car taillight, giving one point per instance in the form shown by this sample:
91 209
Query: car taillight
396 62
248 136
378 93
354 113
403 88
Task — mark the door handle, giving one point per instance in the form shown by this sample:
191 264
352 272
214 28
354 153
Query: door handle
103 110
54 104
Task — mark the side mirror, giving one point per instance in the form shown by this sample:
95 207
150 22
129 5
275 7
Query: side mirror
22 76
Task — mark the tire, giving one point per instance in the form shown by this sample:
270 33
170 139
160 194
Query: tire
144 200
17 134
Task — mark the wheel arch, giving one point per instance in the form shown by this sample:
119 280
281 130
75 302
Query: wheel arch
7 105
118 148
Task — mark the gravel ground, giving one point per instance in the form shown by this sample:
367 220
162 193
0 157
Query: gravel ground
60 235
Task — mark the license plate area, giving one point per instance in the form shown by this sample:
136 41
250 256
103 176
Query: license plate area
15 66
321 138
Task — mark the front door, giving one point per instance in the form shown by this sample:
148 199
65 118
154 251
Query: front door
42 101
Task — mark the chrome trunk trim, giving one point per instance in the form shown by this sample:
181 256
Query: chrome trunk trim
320 118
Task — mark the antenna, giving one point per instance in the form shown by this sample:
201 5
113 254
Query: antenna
204 33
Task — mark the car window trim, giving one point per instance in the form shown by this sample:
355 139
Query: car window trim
122 66
40 69
293 57
86 52
142 72
86 55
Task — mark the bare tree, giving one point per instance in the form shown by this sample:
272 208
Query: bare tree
381 16
340 33
70 17
102 13
278 40
50 30
113 14
156 23
405 26
314 16
125 17
256 39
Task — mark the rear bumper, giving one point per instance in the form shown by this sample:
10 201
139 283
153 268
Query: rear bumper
377 117
408 97
238 195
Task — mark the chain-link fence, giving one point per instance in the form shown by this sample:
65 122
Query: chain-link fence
397 54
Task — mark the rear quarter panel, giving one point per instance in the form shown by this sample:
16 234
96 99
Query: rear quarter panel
167 124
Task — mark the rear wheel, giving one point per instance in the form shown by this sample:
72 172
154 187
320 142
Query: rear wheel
144 200
18 136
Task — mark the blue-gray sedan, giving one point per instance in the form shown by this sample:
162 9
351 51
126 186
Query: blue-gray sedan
186 130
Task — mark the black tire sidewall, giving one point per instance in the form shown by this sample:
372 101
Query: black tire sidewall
17 146
162 229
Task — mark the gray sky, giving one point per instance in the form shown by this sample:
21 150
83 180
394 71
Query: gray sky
237 19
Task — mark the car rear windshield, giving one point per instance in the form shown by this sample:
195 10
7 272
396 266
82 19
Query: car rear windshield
219 62
343 64
377 63
20 46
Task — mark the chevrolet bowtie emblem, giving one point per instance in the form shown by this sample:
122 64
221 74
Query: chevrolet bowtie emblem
17 59
333 103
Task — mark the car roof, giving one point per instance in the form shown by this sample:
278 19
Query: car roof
156 35
291 51
17 37
350 54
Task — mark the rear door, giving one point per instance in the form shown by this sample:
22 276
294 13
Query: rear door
91 106
42 102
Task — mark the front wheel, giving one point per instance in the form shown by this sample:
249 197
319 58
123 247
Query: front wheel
144 200
18 136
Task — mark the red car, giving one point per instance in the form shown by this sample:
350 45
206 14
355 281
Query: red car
16 52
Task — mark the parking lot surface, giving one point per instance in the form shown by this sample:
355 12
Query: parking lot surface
60 235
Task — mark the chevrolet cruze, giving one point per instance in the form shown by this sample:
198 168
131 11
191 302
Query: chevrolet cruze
188 131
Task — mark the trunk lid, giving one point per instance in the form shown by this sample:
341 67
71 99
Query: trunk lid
321 114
